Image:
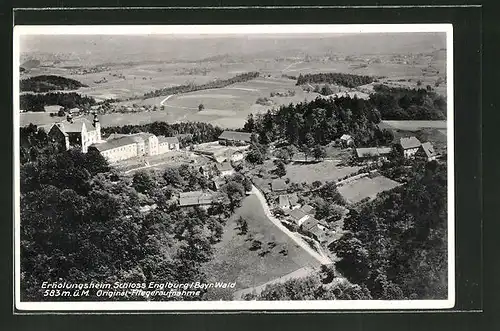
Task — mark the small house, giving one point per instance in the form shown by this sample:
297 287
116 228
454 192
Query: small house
426 152
283 201
298 216
346 141
225 169
409 146
279 185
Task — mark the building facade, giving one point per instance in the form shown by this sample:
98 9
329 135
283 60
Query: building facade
76 132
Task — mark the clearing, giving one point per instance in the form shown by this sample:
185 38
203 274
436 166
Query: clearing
327 170
366 187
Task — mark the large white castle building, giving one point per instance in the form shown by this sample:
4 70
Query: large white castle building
86 134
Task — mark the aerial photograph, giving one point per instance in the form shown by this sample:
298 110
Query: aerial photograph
233 167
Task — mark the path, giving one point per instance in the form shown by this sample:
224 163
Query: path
291 65
322 258
168 97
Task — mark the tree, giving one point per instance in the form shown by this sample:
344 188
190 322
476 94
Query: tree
142 182
172 177
292 150
201 107
326 90
319 152
280 170
255 156
283 155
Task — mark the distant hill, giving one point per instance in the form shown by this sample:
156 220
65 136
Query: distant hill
30 64
46 83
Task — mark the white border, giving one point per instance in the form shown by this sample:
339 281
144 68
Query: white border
238 305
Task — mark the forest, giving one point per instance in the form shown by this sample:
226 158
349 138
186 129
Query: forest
83 222
397 103
37 102
346 80
396 245
187 132
192 87
320 122
46 83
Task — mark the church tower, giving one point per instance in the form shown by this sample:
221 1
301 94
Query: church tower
97 126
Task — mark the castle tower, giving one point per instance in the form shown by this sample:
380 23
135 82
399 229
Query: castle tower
97 126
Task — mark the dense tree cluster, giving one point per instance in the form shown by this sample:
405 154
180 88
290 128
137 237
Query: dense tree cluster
45 83
82 222
318 286
34 143
396 245
397 103
347 80
190 132
319 122
192 87
37 102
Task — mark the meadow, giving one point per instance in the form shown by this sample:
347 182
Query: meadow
366 187
236 261
323 171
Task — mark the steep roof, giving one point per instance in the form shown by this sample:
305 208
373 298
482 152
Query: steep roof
428 149
410 142
194 198
170 140
224 166
293 198
114 143
76 125
308 209
297 214
284 202
309 223
278 185
238 136
345 137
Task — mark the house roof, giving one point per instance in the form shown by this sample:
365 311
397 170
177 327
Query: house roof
308 209
297 214
278 185
345 137
239 136
76 125
224 166
114 143
293 198
194 198
284 202
309 223
428 149
410 142
74 110
170 140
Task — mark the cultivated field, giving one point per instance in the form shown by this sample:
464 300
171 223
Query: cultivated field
366 187
235 261
323 171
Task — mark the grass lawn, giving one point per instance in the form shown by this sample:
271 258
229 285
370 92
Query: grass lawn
235 261
366 187
322 171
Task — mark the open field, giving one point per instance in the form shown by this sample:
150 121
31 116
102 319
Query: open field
323 171
414 125
234 261
366 187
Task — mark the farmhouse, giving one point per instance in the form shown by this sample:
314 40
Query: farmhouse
409 146
298 216
224 169
235 138
426 152
196 198
76 132
278 185
346 140
314 227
